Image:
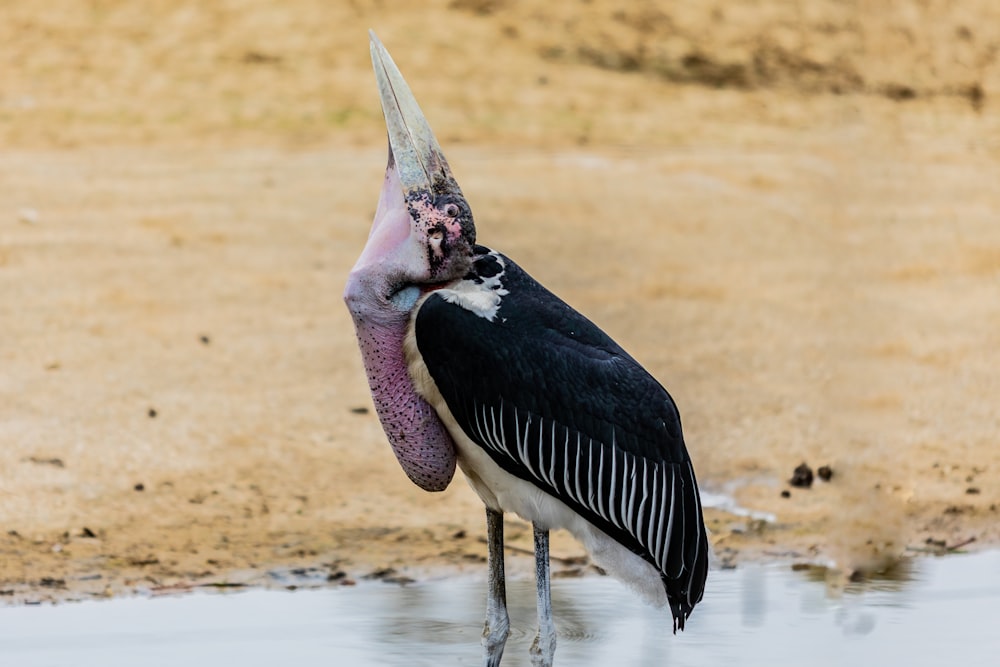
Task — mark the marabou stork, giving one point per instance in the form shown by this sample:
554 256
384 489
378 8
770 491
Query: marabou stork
471 361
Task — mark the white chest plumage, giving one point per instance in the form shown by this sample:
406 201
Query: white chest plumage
481 295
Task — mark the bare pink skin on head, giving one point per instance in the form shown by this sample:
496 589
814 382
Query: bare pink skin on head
439 228
381 293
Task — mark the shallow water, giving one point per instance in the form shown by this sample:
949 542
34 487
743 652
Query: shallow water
940 611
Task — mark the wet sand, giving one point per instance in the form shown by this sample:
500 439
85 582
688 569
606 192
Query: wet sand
808 258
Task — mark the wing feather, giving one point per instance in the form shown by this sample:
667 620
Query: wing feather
537 377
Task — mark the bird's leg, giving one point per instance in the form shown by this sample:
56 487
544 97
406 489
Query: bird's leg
497 621
544 647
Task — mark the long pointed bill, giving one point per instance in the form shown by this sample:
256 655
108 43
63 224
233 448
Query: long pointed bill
419 160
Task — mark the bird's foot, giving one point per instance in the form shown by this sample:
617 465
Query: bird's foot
543 649
494 638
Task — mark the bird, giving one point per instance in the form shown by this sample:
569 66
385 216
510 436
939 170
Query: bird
474 365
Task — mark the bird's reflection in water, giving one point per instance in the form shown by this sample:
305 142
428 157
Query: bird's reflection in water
601 623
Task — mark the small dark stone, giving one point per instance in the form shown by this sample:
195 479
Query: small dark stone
976 96
58 463
336 576
205 340
261 58
139 561
87 532
139 487
389 576
152 413
459 535
381 573
786 493
802 476
52 582
360 410
825 473
972 490
899 92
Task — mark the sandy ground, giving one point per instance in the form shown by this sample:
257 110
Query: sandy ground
788 211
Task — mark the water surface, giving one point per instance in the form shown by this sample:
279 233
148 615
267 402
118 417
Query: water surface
942 611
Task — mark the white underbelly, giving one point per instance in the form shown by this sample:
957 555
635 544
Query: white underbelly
502 491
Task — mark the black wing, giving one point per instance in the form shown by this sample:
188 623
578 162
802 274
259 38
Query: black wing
556 402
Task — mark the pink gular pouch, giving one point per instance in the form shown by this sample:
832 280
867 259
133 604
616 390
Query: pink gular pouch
381 313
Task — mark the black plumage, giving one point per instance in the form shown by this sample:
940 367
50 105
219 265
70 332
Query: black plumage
556 402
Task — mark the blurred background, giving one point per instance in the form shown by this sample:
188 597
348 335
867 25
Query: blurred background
787 210
98 72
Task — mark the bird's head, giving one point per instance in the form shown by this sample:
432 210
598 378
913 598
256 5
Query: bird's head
422 239
423 234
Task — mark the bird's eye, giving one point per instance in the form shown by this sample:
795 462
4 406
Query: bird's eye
451 210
